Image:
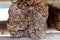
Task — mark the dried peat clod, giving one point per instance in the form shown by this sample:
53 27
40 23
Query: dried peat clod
27 19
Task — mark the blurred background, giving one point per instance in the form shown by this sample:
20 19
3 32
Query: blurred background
4 6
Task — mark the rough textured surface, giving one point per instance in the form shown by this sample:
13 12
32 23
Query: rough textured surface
28 19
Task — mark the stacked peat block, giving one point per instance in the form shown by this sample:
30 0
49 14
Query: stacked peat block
27 18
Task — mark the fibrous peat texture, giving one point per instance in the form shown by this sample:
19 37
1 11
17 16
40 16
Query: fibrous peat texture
27 18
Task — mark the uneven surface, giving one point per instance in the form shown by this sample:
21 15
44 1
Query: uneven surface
28 19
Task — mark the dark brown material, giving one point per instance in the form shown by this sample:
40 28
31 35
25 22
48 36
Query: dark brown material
54 17
57 18
3 25
28 19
